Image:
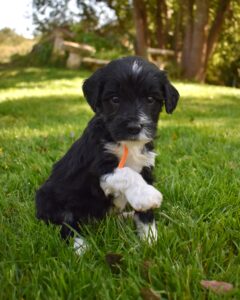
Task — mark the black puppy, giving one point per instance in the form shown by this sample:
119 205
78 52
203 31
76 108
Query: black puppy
127 96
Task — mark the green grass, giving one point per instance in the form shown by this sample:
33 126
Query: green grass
42 112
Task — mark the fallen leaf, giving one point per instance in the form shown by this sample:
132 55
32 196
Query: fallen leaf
191 119
219 287
174 136
114 261
149 294
145 269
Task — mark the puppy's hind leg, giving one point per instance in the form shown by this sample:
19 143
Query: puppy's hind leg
146 226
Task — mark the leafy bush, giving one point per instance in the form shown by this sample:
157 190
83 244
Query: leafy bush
224 67
107 41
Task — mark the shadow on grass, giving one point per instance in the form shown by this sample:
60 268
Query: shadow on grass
190 108
193 109
59 109
44 110
10 78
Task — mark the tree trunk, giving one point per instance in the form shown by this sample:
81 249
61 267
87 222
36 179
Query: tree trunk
198 47
177 34
196 61
165 21
140 20
159 24
187 40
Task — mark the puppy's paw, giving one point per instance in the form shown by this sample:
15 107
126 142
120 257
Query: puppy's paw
146 231
80 246
140 195
144 197
117 181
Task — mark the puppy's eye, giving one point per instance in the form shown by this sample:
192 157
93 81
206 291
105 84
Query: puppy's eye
115 100
150 100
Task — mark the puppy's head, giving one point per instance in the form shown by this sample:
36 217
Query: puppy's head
129 93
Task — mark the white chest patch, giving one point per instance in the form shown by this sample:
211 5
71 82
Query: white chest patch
138 156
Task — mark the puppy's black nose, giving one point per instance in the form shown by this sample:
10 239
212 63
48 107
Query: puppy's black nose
134 128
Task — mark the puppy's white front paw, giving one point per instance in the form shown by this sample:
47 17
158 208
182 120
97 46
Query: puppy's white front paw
116 182
144 197
140 195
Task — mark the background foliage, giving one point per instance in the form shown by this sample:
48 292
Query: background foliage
203 34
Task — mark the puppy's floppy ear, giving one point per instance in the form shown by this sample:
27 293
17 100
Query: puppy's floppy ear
92 89
171 95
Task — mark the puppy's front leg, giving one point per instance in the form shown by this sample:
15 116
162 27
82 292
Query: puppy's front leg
140 195
146 226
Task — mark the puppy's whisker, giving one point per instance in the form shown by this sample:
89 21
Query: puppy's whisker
144 119
145 134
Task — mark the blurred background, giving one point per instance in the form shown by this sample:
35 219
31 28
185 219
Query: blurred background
196 40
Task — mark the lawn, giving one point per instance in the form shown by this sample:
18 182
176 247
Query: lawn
42 111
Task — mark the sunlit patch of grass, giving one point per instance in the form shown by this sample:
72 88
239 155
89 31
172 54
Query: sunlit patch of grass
42 111
32 82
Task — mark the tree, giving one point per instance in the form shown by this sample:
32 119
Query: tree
140 20
200 35
224 65
189 27
160 18
51 13
215 30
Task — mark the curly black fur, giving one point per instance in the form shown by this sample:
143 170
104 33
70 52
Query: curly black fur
117 94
